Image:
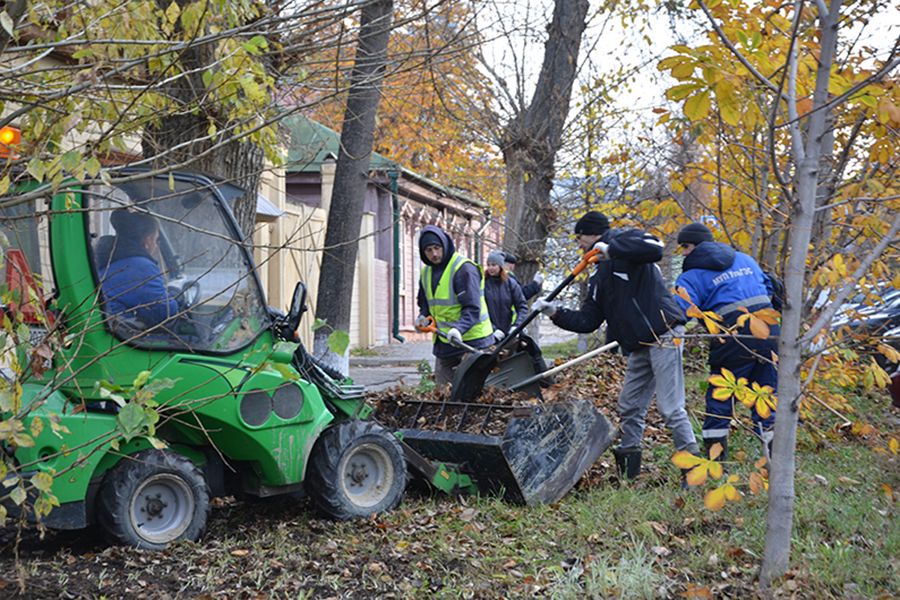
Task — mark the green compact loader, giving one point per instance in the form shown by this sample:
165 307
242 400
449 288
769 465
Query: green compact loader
243 408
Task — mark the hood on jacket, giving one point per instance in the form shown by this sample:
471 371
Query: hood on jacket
445 240
714 256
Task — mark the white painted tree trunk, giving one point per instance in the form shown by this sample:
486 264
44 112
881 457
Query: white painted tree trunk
335 298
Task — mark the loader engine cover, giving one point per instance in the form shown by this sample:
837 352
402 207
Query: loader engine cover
538 456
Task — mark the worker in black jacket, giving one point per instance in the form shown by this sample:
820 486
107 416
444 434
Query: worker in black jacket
628 292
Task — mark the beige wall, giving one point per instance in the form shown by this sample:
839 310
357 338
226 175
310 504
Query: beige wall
292 245
290 250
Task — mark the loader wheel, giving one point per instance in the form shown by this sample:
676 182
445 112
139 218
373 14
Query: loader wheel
153 498
356 469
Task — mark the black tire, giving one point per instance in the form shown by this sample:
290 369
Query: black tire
153 498
356 470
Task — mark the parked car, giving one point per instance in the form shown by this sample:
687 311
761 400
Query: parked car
870 318
867 321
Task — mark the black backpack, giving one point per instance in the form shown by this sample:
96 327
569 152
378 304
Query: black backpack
776 289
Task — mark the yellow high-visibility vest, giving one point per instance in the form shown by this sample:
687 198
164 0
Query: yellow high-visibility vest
443 305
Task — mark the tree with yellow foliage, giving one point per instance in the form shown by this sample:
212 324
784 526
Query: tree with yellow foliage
795 133
434 97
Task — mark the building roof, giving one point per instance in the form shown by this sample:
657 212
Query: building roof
311 144
265 210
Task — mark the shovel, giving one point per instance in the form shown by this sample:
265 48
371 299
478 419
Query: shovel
470 377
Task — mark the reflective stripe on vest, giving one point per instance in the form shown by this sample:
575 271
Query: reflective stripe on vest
746 303
445 308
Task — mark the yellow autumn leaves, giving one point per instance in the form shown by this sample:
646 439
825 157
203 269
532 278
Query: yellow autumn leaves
758 321
701 469
760 398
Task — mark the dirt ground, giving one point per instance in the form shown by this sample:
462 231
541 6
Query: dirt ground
248 547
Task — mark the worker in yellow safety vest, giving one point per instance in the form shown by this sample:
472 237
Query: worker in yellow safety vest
451 291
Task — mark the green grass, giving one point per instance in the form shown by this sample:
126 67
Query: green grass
561 350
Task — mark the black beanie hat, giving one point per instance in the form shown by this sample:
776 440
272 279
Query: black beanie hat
592 223
694 234
510 257
429 238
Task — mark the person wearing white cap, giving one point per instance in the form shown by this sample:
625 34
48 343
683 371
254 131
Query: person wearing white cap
530 289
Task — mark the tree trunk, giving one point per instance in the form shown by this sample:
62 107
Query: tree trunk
351 177
532 138
237 162
779 519
16 10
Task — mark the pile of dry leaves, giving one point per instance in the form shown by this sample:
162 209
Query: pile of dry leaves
599 379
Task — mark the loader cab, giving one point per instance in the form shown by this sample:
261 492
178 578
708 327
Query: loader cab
190 284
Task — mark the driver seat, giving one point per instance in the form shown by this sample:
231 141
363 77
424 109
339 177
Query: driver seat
103 249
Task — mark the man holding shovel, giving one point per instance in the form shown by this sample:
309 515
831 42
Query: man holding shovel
451 293
628 292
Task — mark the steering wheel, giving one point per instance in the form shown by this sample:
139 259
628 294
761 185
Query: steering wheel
190 293
186 294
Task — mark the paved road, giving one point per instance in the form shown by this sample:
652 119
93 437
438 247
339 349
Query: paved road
379 378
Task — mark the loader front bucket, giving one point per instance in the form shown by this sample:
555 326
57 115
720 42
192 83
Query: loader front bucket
530 454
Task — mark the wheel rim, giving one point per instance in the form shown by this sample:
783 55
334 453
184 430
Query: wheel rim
162 508
367 475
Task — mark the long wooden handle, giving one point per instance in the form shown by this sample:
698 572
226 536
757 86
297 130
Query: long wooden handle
565 365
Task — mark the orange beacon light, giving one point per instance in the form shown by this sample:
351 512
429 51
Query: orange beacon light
9 137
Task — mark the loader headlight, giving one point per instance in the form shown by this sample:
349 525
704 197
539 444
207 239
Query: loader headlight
287 401
255 408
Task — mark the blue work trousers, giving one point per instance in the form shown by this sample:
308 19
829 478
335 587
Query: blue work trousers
720 412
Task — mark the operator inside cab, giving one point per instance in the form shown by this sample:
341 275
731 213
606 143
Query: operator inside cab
132 281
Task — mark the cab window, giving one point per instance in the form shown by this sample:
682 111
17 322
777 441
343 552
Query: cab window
170 272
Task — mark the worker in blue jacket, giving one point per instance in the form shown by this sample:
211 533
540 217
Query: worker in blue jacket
718 278
132 282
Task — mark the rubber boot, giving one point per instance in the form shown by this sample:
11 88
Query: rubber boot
628 462
708 443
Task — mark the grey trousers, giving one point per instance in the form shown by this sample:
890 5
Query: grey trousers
655 368
445 368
